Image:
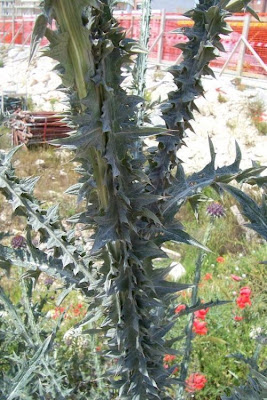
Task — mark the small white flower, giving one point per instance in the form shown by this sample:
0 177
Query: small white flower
240 254
72 334
236 268
244 275
212 265
234 293
50 314
3 314
255 332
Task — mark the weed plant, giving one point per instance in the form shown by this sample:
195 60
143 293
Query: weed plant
256 111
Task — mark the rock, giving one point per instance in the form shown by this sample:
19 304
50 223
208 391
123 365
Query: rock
17 163
40 163
22 56
177 271
33 82
52 193
39 89
172 254
63 173
250 234
12 53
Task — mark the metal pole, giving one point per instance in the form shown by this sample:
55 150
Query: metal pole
132 26
13 20
161 32
22 39
240 63
2 105
141 63
231 55
255 54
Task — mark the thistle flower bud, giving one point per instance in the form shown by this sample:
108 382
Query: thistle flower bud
48 281
216 210
18 242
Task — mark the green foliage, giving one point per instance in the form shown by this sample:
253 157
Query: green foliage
256 109
256 385
222 98
30 104
39 359
130 202
225 335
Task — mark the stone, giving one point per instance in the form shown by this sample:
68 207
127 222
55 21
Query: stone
63 173
40 163
250 234
177 270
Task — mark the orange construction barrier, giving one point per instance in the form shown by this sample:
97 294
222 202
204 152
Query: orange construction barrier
162 42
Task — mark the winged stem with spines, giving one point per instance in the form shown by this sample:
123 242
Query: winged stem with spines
129 203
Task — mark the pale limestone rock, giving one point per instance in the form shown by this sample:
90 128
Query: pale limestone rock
177 271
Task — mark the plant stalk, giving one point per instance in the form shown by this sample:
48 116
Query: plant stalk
189 328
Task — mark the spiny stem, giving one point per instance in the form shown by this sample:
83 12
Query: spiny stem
69 19
100 171
189 328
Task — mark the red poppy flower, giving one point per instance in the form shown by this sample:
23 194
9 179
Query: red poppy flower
220 259
169 358
201 314
237 318
207 277
200 328
180 308
245 291
58 311
242 301
195 382
236 278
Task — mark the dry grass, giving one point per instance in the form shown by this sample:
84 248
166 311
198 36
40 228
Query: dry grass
56 171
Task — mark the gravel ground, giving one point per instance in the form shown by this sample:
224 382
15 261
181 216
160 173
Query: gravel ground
224 115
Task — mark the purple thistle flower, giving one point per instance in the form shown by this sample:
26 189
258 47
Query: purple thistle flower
18 242
48 281
216 210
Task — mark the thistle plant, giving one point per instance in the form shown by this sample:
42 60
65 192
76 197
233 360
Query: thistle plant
130 204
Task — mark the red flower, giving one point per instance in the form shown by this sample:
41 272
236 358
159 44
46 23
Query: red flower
180 308
195 382
245 291
220 259
201 314
169 358
237 318
207 277
244 297
236 278
200 328
242 301
98 348
58 311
